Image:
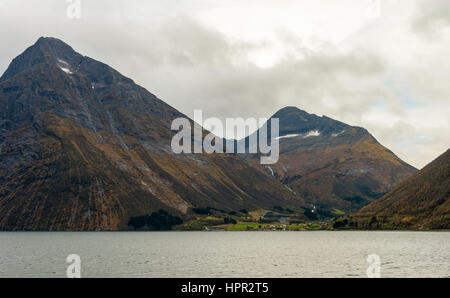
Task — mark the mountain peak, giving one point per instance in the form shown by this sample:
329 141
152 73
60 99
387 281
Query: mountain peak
296 121
54 46
44 50
290 111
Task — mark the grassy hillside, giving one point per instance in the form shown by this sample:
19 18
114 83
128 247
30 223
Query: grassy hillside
422 202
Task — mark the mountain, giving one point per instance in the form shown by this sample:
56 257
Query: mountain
335 167
82 147
421 202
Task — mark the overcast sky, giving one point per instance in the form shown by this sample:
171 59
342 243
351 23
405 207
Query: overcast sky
383 65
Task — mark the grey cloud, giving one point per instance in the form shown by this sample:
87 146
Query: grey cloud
431 14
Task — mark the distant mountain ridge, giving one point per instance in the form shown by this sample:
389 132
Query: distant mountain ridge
335 167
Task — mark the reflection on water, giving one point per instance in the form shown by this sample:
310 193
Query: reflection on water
225 254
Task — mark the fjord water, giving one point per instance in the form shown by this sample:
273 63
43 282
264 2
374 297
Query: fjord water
225 254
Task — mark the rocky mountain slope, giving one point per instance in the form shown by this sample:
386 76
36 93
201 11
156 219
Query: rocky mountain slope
421 202
84 148
335 167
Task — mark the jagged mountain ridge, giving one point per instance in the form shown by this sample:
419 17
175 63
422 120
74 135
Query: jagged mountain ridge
332 165
82 147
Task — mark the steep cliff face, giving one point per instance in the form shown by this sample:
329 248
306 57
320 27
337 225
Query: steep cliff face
84 148
333 165
421 202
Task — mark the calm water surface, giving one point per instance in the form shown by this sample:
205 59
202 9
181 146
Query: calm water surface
225 254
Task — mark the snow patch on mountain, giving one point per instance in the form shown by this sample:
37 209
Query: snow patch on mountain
271 171
64 66
288 136
312 133
337 134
